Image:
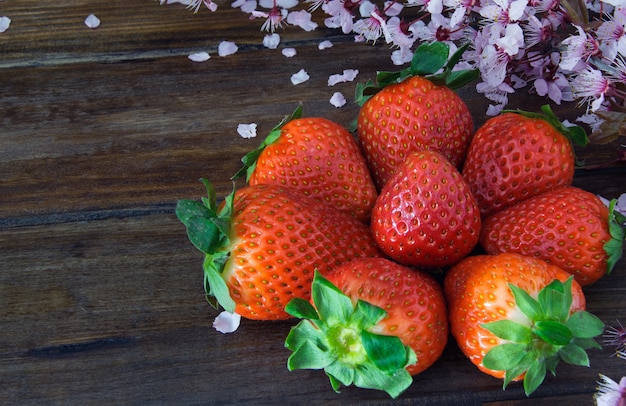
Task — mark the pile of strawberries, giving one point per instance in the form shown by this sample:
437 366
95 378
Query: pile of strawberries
347 233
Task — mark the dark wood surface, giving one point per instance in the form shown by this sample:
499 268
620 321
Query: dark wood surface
102 131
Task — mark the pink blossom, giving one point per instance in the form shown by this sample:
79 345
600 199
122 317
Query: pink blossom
610 393
271 41
348 75
289 52
300 77
591 86
92 21
325 45
301 19
578 49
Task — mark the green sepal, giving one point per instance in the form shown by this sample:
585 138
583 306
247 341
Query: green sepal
575 133
430 60
510 330
614 247
341 330
505 356
208 230
250 159
574 355
555 335
553 332
526 303
534 376
583 324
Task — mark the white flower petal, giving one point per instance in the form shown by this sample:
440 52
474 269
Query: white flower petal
92 21
227 322
289 52
338 100
5 22
199 56
325 44
247 130
271 41
299 77
348 75
226 48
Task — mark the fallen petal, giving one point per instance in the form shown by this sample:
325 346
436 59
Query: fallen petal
5 22
92 21
299 77
271 41
247 130
289 52
348 75
199 56
226 48
338 100
227 322
325 44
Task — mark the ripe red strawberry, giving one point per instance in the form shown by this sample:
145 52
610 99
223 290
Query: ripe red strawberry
515 156
425 215
370 337
318 157
415 110
568 227
264 243
515 317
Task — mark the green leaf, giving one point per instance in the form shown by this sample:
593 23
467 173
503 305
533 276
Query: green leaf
303 332
510 330
553 332
459 78
308 356
583 324
518 369
556 299
574 355
366 314
574 133
302 309
429 58
331 303
343 374
527 304
614 247
217 284
504 356
586 343
368 376
386 352
534 377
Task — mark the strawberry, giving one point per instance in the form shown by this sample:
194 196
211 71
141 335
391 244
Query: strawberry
373 323
415 109
515 317
568 227
518 155
263 244
425 215
318 157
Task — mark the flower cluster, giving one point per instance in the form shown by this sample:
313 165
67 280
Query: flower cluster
566 50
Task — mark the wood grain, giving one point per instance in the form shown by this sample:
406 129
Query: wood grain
102 131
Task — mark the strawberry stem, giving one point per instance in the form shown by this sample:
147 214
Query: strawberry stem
335 336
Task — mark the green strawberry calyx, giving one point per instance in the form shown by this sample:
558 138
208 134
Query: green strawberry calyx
614 247
249 160
430 60
550 336
575 133
208 229
334 335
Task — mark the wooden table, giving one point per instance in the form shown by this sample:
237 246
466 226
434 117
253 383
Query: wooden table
102 131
